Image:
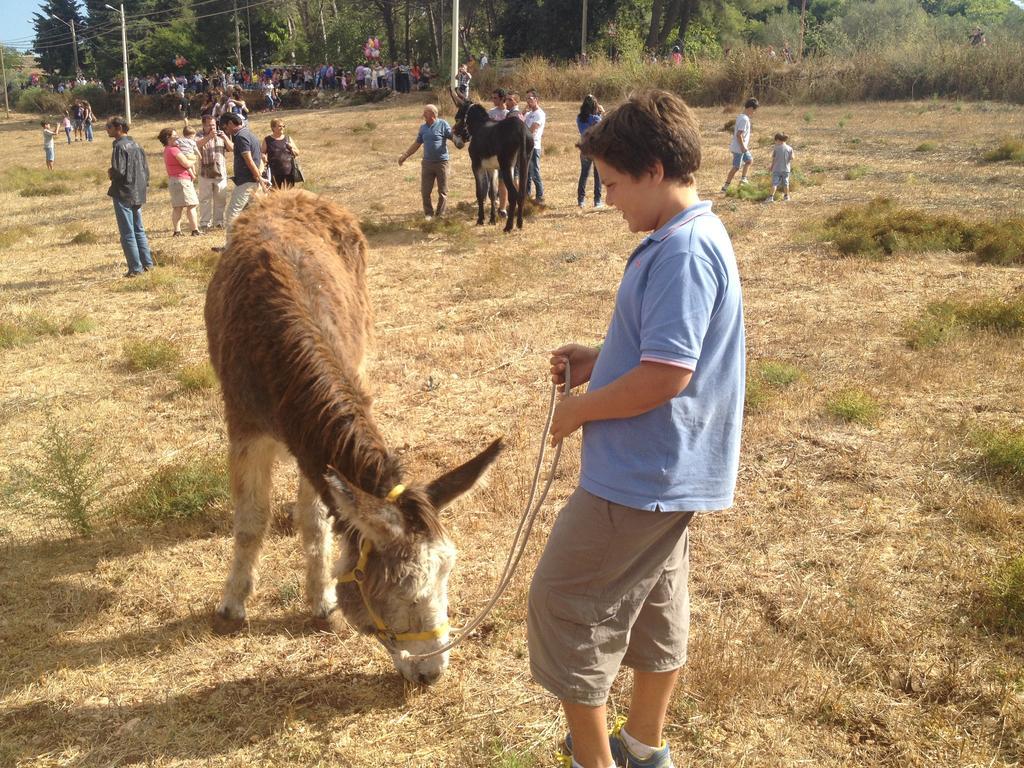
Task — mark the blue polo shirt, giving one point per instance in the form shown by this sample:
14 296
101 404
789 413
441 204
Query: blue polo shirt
679 303
432 137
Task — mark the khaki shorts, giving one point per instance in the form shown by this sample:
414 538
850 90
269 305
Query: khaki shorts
610 589
183 193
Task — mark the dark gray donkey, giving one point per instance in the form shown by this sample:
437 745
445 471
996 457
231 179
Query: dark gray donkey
494 145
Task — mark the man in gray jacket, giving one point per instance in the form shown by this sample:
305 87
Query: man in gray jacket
129 177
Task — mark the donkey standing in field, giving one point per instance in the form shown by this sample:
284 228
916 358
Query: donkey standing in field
494 145
288 320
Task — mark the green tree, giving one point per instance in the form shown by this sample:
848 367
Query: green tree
53 42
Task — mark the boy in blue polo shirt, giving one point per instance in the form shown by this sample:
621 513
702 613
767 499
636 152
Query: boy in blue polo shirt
661 433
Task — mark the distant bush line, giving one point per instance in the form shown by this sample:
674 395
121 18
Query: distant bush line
915 70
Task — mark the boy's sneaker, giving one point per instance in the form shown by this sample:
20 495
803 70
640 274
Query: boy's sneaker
785 198
769 199
599 204
660 758
620 752
744 180
725 188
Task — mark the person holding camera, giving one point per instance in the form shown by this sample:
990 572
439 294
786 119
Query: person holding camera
213 145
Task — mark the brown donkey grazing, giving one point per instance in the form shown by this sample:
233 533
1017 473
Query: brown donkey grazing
288 321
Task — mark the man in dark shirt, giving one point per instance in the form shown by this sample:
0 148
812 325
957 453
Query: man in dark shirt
247 169
129 177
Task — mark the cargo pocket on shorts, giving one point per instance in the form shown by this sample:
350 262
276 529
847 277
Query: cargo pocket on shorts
586 630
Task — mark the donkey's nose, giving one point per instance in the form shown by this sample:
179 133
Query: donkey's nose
429 678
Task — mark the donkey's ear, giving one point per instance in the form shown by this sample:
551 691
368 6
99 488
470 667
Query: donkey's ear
380 523
455 97
449 486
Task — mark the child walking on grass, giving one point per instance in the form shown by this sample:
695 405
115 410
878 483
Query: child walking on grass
49 148
781 165
661 434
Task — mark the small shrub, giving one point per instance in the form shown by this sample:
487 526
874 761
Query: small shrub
1008 149
85 237
857 172
195 378
381 226
808 117
1002 605
32 327
11 235
150 354
368 127
926 146
1002 454
842 122
155 280
178 492
853 405
68 478
729 125
13 335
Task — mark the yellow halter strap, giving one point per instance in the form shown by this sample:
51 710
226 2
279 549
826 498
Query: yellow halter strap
358 575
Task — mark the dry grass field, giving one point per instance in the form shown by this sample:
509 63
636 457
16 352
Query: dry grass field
861 605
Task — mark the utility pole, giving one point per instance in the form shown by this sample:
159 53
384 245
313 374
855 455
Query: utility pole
238 41
455 40
583 33
3 68
124 60
248 24
74 40
803 15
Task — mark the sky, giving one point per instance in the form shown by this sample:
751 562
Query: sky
17 22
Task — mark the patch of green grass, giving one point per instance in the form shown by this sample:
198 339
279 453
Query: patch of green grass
85 237
882 228
766 379
759 186
196 378
11 235
943 320
155 280
1002 604
366 127
16 332
382 226
178 492
67 478
18 177
46 189
853 140
926 146
808 117
842 123
150 354
1001 453
1008 149
1000 242
853 405
857 172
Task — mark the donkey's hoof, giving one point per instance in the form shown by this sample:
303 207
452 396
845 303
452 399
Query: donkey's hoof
227 625
334 622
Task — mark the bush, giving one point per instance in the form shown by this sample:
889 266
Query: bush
68 479
195 378
1009 149
1001 242
85 237
853 405
42 101
178 492
97 96
882 228
150 354
1002 605
46 189
943 320
926 146
766 379
11 235
1002 454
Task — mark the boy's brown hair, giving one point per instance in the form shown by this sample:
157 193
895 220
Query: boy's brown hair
781 137
652 127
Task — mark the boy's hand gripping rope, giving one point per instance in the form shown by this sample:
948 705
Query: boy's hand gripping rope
522 532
